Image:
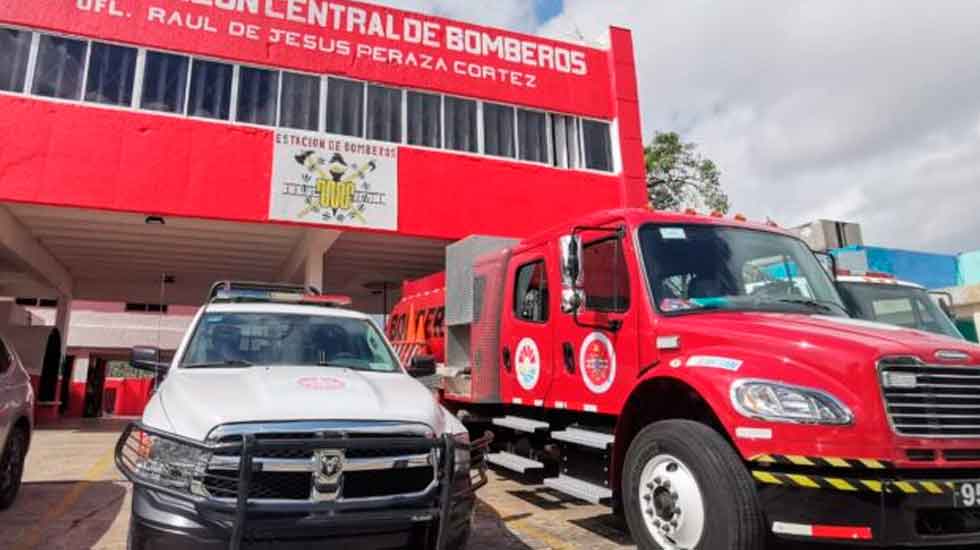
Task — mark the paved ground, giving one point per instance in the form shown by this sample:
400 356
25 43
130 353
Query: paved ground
73 490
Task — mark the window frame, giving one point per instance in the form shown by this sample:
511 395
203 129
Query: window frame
627 295
546 310
34 62
613 166
232 92
441 135
548 133
514 133
32 46
237 95
136 76
402 105
477 127
325 126
141 74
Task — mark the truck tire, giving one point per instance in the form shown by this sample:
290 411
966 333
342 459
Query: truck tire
12 466
679 473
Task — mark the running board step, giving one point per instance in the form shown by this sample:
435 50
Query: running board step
586 438
521 424
513 462
596 494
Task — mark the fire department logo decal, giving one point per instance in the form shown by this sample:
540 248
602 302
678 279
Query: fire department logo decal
336 181
527 363
598 360
322 383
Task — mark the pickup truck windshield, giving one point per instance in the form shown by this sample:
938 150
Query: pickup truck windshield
273 339
904 306
695 268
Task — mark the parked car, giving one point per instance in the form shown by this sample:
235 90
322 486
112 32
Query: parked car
883 298
285 419
16 422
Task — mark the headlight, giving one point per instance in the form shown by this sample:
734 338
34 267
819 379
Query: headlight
462 459
784 403
165 462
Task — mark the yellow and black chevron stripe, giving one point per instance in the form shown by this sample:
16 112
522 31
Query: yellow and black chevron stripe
823 462
854 485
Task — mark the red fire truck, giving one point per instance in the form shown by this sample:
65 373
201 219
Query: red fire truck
701 376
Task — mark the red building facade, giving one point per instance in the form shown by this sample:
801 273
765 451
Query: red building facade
340 114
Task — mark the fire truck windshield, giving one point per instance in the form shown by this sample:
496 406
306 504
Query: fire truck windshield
696 268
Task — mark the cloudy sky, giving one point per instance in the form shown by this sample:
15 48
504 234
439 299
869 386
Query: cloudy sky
866 111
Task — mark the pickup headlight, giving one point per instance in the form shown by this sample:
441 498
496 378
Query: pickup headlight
165 462
778 402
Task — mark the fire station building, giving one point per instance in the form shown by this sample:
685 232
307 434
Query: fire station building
151 147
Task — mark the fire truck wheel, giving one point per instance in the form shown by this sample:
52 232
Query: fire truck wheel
679 473
12 466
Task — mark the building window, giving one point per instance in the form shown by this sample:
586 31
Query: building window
146 308
424 119
300 101
164 82
461 133
16 46
210 95
257 96
531 293
498 130
532 135
384 115
37 302
565 140
345 107
60 62
607 286
111 71
597 145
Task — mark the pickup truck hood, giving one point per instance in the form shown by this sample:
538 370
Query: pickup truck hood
195 401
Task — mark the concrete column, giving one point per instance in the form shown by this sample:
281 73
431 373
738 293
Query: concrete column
62 321
305 263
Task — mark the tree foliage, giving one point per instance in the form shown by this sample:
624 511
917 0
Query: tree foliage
678 177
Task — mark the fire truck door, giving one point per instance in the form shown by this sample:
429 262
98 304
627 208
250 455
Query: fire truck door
596 348
526 342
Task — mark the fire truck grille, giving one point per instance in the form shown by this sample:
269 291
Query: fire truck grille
287 474
930 400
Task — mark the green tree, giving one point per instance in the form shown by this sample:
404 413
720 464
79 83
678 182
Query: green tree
678 177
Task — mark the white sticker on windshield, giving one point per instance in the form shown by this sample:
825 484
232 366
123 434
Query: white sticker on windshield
672 233
711 362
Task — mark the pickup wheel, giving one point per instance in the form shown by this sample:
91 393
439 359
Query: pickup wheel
12 466
677 475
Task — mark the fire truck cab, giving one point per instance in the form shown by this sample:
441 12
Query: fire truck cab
702 376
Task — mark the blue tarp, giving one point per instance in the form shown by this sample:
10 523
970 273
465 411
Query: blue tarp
924 268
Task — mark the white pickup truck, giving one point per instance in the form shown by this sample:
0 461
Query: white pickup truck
286 421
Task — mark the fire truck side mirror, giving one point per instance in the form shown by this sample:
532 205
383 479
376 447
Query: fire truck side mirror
572 296
829 262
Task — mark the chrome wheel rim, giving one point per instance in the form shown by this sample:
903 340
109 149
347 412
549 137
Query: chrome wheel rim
671 503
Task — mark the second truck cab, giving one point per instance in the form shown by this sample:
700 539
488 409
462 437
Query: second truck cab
702 376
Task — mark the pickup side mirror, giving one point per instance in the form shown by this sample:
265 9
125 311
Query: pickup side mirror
572 296
945 301
147 358
422 366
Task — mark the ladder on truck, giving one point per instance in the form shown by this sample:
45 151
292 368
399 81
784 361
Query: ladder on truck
584 464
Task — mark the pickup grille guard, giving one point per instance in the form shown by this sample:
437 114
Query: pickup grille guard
233 517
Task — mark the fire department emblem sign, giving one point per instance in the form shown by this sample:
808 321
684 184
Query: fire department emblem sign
527 361
331 180
598 360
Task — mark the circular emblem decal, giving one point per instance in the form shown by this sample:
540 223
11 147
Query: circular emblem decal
528 364
322 383
598 360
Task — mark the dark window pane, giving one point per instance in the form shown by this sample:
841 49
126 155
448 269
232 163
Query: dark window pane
210 95
461 125
424 119
4 358
532 131
300 101
257 93
606 276
60 62
531 293
565 138
15 47
598 145
164 82
111 71
384 115
345 107
498 130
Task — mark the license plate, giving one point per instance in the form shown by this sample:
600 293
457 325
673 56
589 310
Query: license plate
966 494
